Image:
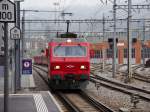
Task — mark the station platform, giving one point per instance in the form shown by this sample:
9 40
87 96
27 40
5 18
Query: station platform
36 102
27 81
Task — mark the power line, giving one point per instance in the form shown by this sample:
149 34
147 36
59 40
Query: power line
83 20
133 7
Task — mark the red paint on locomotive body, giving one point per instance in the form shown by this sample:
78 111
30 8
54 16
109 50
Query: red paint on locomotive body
64 65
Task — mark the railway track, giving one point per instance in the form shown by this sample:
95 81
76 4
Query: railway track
121 87
140 77
143 94
78 101
125 88
81 102
136 75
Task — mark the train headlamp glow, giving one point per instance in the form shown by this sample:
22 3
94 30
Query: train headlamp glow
69 40
82 67
57 67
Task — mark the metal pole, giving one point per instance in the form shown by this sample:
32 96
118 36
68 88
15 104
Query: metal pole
129 42
68 26
56 4
79 29
6 77
143 40
103 50
17 50
23 32
114 41
55 12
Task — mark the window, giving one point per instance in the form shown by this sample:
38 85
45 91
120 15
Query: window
70 51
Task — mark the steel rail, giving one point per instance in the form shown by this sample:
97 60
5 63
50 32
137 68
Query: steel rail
136 75
130 90
68 103
96 103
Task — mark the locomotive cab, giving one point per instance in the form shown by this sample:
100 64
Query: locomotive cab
69 63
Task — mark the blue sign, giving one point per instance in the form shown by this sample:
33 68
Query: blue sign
27 66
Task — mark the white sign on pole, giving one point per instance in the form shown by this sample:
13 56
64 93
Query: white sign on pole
1 39
15 33
7 11
120 44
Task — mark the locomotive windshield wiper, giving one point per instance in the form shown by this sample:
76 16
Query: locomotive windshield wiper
59 45
80 46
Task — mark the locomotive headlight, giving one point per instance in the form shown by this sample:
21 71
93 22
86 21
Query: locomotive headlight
69 40
57 67
82 67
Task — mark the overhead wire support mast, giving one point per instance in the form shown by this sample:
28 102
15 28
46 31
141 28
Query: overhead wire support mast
143 42
130 7
114 41
129 77
103 51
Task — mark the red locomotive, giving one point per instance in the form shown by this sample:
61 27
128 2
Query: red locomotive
68 63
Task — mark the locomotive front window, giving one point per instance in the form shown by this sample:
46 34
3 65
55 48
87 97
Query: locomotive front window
70 51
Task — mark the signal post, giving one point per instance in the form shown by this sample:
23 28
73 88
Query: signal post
7 15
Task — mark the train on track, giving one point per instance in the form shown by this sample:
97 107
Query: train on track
68 61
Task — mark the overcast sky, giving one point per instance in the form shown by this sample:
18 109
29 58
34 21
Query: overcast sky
66 3
63 3
79 8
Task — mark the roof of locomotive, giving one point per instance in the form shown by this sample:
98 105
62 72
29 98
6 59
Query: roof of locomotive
66 39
